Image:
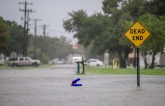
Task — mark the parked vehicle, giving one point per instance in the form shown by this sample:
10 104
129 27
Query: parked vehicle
56 61
94 62
23 61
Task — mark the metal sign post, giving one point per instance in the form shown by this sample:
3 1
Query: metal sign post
138 68
137 34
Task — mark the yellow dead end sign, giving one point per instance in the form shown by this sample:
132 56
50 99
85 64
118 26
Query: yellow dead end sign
137 34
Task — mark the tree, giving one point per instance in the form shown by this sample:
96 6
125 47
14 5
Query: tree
63 48
134 8
4 36
120 19
53 48
15 38
156 7
155 44
76 24
109 6
102 31
106 32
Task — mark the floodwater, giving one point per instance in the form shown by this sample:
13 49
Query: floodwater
51 87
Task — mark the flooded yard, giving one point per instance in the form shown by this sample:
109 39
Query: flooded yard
51 87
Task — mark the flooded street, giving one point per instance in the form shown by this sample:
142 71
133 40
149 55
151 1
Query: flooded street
51 87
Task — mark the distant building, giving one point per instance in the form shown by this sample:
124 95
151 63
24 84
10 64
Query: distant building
159 59
2 59
74 46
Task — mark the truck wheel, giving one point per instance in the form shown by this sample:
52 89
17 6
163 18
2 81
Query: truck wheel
15 65
97 65
35 64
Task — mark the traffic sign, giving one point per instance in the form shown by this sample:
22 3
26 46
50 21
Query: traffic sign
137 34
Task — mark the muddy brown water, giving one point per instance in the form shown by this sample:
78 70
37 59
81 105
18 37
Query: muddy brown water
51 87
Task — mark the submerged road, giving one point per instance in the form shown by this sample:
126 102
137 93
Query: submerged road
51 87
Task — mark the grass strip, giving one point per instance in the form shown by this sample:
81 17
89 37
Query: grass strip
107 71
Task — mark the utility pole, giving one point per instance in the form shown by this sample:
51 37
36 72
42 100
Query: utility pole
44 34
28 19
35 31
24 41
27 31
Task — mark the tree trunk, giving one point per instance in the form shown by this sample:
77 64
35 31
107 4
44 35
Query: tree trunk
123 64
83 72
145 64
144 55
123 55
122 60
153 61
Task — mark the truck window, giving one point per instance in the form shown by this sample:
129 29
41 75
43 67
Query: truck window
27 59
21 59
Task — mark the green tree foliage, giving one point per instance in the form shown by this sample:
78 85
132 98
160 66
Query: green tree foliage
15 38
10 36
76 24
106 32
4 35
86 28
103 31
59 47
155 44
110 6
133 8
48 48
131 11
156 7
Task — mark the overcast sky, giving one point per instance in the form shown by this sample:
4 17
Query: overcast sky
52 13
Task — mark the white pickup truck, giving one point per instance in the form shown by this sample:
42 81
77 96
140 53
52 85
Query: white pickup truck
23 61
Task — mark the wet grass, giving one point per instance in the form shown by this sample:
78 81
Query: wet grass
98 71
107 71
